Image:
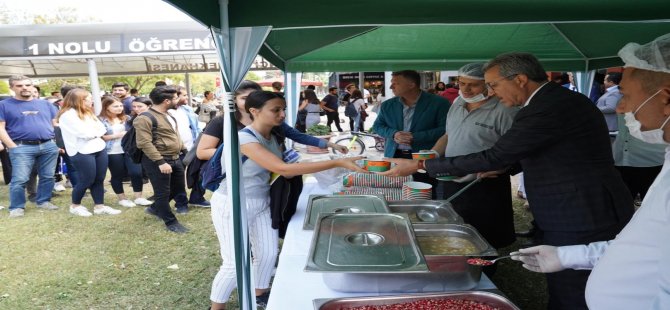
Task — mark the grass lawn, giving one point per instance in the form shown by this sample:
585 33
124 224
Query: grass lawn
54 260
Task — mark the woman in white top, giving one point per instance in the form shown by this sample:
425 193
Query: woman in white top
263 150
116 123
82 136
358 102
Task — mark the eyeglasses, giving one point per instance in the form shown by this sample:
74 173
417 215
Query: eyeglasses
493 84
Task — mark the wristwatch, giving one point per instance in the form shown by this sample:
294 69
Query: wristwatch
421 166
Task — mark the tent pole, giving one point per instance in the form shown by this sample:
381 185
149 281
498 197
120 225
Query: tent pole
95 86
187 81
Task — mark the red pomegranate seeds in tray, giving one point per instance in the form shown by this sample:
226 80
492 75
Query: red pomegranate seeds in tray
430 304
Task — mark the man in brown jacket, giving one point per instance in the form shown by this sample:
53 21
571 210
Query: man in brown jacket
161 155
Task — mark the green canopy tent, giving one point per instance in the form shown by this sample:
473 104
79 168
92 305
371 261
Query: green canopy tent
315 36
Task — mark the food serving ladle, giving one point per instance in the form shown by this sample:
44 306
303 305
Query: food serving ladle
430 216
488 262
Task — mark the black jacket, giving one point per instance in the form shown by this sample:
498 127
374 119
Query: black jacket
562 144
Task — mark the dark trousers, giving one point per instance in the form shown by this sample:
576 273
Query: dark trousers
166 187
419 177
197 193
334 117
488 207
71 170
638 179
566 288
91 172
121 165
351 123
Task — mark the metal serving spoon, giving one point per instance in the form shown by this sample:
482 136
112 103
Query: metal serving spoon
476 261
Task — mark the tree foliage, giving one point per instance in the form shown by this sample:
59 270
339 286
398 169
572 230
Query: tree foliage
4 88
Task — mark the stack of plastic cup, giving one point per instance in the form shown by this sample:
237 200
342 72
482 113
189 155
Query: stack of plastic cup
416 190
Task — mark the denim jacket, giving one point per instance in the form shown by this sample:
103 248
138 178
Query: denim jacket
108 127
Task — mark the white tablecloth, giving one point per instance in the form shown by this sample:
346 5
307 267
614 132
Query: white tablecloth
294 288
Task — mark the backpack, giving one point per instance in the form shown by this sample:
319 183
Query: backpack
205 112
129 140
212 172
350 109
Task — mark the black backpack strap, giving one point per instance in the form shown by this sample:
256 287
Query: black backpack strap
154 124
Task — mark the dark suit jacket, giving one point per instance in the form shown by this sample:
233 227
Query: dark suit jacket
561 142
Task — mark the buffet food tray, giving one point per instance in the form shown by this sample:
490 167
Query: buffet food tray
342 204
488 298
367 242
426 211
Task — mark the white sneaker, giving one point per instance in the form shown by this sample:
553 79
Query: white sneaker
127 203
47 206
80 211
18 212
106 210
143 201
59 187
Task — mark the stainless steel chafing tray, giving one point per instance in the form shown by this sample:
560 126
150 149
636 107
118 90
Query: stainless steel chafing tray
369 242
447 272
491 299
342 204
426 211
446 262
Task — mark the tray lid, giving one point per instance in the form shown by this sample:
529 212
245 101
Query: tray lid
426 211
354 204
364 243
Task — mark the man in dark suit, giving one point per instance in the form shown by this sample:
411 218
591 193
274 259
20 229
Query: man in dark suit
560 141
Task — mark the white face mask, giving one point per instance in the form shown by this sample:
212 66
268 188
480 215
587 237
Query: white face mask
474 99
654 136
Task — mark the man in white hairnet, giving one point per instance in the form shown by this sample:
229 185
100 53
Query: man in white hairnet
633 270
475 121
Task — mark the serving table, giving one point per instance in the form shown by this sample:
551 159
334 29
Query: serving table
295 289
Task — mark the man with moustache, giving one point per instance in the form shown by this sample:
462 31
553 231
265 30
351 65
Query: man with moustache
27 131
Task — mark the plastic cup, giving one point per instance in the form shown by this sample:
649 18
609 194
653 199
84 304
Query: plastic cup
378 165
424 155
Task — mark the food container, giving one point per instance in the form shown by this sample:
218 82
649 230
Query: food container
377 165
367 268
342 204
450 245
424 154
426 211
487 298
380 243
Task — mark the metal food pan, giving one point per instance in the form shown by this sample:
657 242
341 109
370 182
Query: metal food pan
342 204
368 242
454 263
427 211
490 299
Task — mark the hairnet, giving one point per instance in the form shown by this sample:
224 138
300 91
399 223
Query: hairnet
653 56
473 71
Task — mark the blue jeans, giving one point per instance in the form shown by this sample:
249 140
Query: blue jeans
121 165
357 122
91 172
23 157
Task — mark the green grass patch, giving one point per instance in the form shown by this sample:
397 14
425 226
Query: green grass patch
54 260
